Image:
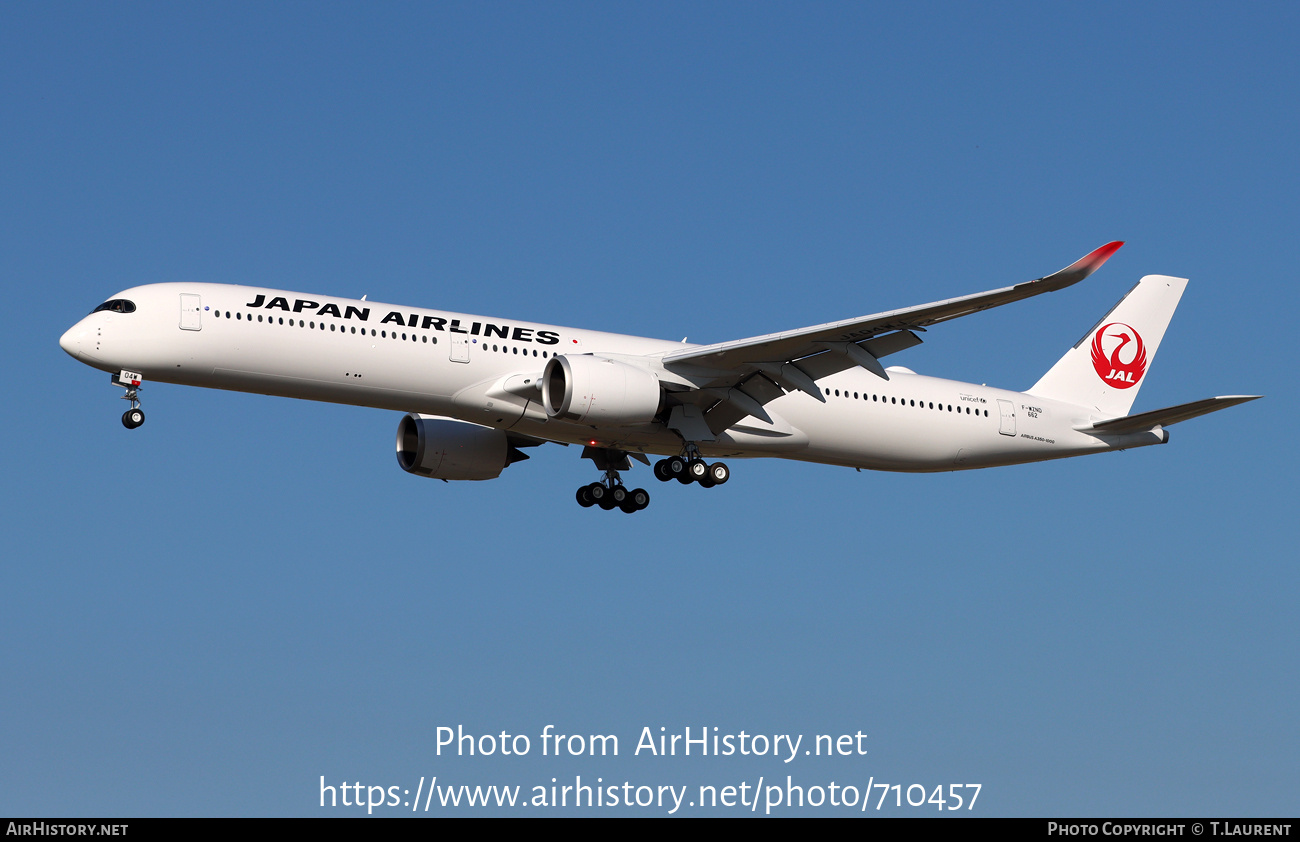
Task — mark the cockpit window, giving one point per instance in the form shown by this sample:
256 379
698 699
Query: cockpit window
117 305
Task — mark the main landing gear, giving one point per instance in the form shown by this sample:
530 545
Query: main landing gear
691 468
130 381
610 493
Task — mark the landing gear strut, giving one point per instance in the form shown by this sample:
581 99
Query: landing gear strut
130 381
690 467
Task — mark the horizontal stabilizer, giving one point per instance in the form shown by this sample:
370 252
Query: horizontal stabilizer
1168 415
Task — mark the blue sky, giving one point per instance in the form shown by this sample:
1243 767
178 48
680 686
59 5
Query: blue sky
206 615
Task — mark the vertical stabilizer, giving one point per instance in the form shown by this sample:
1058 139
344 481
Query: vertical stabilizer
1105 369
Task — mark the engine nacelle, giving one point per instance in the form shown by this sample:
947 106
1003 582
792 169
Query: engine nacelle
444 448
592 390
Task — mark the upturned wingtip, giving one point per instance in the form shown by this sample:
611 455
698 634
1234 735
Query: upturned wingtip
1102 254
1089 263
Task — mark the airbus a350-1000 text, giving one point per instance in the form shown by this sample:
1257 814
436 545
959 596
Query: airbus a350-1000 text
478 391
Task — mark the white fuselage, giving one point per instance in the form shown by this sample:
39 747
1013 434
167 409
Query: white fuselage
478 369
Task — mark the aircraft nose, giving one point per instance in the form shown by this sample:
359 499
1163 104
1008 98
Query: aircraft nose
71 340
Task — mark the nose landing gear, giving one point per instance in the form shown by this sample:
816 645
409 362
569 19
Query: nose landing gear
130 381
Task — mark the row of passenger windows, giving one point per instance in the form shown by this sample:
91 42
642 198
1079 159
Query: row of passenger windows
303 323
912 402
383 334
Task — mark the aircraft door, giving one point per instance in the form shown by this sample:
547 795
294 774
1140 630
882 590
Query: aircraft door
191 312
1008 412
459 349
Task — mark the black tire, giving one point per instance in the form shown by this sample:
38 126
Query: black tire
698 469
676 466
607 502
706 481
132 418
719 473
584 498
597 492
661 471
640 498
618 495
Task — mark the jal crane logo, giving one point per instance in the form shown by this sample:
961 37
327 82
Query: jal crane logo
1111 346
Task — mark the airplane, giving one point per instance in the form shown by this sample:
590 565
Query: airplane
478 390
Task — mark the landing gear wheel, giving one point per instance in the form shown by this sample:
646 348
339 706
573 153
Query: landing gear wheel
698 469
676 467
719 473
132 418
618 495
597 493
662 472
635 501
607 502
584 498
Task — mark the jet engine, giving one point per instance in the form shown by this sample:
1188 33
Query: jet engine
593 390
444 448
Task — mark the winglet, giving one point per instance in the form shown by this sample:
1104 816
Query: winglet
1081 268
1094 260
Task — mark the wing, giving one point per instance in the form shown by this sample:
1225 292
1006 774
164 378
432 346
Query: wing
730 380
